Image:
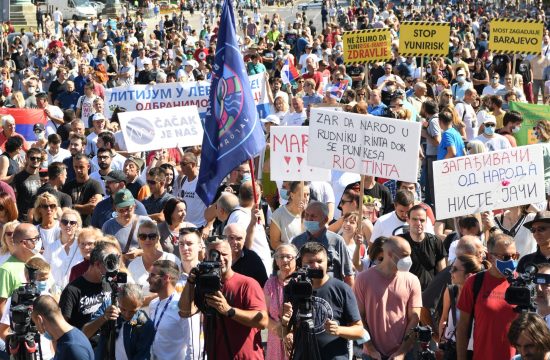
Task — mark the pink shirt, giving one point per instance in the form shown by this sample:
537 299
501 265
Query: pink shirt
385 303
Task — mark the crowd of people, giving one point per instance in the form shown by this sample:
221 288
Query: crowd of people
73 197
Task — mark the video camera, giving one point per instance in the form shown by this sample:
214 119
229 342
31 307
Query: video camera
522 290
208 279
299 287
113 276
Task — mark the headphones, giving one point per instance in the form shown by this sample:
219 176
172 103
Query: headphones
330 258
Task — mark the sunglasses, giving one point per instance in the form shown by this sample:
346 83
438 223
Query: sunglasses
189 230
8 233
150 236
538 229
35 158
507 257
48 206
69 222
151 182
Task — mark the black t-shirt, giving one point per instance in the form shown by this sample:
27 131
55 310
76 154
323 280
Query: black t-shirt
26 186
425 255
81 193
55 88
500 64
523 67
381 192
376 73
535 258
333 301
64 200
81 301
250 264
135 186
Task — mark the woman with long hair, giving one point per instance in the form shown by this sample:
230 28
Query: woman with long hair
174 212
8 209
463 267
45 212
350 202
354 241
480 76
286 221
65 253
6 240
284 264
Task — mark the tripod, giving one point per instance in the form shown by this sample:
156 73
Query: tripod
305 333
24 347
110 327
210 335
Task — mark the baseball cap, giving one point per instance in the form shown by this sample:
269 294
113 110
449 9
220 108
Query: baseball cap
489 119
116 176
460 72
38 127
274 119
123 198
138 161
98 116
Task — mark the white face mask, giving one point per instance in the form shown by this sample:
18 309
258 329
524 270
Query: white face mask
461 79
404 264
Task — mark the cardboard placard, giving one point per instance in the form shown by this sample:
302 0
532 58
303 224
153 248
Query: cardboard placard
423 38
367 46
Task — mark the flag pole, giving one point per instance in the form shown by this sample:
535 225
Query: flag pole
253 176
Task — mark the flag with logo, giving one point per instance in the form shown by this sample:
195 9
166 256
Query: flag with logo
232 130
336 91
289 74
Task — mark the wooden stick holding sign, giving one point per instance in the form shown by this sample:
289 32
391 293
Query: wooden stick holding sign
421 68
360 205
251 164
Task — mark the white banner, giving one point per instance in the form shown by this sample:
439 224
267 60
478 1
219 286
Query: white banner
161 129
288 158
364 144
170 95
488 181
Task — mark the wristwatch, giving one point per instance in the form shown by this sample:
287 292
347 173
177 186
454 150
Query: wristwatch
231 312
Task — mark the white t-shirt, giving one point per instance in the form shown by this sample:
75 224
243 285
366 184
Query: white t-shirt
340 180
489 90
176 337
288 224
61 263
86 106
55 111
469 118
140 274
61 155
49 240
117 162
260 244
388 223
195 205
497 142
294 119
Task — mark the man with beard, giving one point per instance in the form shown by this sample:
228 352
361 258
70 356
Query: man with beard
77 144
114 181
27 182
85 192
530 336
104 158
57 175
132 168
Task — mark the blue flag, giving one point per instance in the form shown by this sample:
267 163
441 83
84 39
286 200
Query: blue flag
232 130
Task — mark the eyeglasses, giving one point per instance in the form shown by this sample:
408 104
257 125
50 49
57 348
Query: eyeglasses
286 257
538 229
35 158
67 222
189 230
151 182
34 240
506 257
185 163
124 210
455 269
150 236
48 206
490 125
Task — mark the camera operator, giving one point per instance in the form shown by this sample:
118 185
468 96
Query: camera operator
492 313
315 223
240 307
530 336
166 318
540 228
136 331
70 343
41 270
336 316
83 301
543 293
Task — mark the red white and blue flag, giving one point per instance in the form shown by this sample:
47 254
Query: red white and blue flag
289 74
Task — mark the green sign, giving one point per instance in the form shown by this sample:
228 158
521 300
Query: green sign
532 114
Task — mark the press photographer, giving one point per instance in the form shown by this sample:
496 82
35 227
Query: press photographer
238 309
543 292
332 304
16 327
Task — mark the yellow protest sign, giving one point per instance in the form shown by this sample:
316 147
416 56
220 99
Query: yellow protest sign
424 38
522 36
367 46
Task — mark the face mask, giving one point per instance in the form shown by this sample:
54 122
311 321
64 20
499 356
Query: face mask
283 193
461 79
516 130
429 70
505 266
41 286
32 90
312 226
376 262
494 81
48 336
404 264
36 250
489 130
40 135
456 59
536 134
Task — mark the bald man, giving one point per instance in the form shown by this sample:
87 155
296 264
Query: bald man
389 300
245 262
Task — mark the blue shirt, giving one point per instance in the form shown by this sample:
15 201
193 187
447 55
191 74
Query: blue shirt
377 110
450 137
73 345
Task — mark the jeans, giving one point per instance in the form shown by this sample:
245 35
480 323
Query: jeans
3 354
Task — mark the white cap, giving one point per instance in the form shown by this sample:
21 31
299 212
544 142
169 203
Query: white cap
193 63
488 118
98 116
274 119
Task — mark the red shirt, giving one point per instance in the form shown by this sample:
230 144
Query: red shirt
200 54
317 77
78 270
4 138
241 292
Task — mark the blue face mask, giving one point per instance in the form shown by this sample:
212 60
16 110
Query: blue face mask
503 266
47 336
283 193
41 286
489 130
246 177
312 226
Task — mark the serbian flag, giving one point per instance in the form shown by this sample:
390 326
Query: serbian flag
232 130
25 120
336 91
289 74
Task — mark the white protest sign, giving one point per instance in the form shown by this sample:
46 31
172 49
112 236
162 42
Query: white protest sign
488 181
288 158
161 129
177 94
364 144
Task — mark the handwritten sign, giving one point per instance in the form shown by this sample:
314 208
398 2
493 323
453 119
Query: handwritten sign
424 38
367 46
161 129
289 145
364 144
516 36
487 181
